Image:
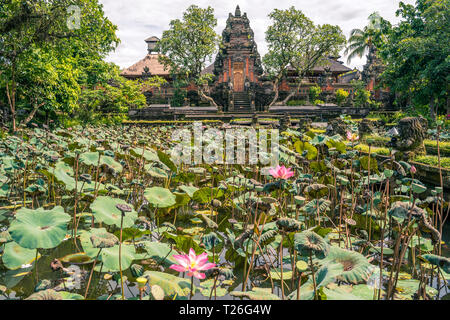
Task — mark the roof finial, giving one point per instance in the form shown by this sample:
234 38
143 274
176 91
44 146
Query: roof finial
238 12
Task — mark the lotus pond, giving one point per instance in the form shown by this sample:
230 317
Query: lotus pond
104 213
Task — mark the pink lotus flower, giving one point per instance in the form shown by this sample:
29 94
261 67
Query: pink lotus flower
413 169
352 136
192 264
281 172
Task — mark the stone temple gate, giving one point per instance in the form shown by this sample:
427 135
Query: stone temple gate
237 67
239 84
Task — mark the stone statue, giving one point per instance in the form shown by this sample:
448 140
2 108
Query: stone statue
304 124
366 127
337 126
411 136
255 120
285 122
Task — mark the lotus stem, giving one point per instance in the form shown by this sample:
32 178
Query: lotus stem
313 275
192 288
92 272
120 255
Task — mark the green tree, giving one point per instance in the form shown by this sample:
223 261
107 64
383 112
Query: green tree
188 45
44 60
314 92
417 55
341 96
117 95
371 36
361 96
294 41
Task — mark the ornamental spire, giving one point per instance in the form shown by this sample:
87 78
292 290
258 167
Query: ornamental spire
238 12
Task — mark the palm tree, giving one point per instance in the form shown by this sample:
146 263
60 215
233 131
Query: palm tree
361 41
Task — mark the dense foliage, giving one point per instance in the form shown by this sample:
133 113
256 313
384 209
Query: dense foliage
108 209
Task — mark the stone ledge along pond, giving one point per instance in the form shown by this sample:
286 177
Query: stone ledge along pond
107 213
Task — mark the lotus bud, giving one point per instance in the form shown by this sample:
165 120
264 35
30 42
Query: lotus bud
413 170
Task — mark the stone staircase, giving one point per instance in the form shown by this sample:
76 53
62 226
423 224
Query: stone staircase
242 103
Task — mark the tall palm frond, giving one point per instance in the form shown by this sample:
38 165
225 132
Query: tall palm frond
361 41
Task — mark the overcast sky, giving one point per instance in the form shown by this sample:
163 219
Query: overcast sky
140 19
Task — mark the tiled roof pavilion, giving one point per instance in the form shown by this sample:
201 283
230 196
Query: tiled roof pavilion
151 61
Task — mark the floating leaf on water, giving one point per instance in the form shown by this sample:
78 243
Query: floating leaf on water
14 256
256 294
77 258
170 284
39 228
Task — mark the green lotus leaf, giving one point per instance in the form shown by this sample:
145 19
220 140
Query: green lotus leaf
356 268
190 190
211 240
164 158
104 239
275 273
160 197
256 294
299 200
64 174
111 163
39 228
316 191
51 294
14 256
110 258
208 285
402 210
161 252
148 154
104 210
4 190
301 266
340 293
206 195
79 258
302 147
171 285
70 295
407 288
441 262
418 188
386 251
308 243
288 225
48 294
156 172
324 276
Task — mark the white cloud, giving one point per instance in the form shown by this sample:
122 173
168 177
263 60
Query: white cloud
139 19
